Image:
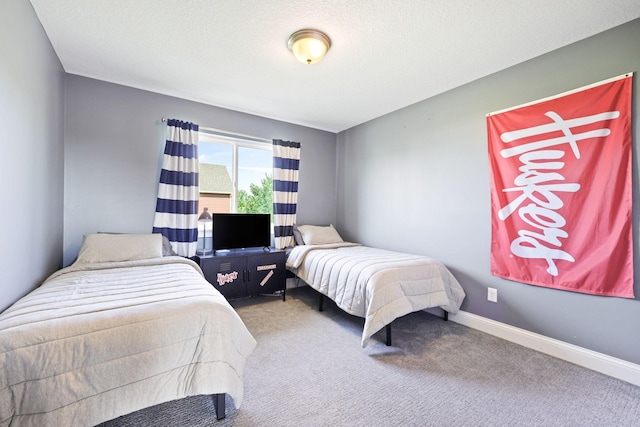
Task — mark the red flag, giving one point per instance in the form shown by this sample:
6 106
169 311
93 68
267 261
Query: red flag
561 191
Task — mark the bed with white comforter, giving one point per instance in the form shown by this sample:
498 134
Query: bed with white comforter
376 284
100 340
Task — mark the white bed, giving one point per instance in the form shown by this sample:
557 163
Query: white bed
102 339
375 284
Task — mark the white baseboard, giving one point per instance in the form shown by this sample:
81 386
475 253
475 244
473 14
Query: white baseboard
611 366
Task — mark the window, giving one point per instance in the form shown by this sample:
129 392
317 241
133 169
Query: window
235 174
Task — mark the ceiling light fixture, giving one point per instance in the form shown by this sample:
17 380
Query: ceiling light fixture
309 46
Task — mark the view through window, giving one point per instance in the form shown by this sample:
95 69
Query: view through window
235 176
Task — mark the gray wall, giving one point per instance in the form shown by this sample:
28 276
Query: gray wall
31 107
417 180
114 140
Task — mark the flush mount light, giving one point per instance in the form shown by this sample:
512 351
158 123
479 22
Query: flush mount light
309 46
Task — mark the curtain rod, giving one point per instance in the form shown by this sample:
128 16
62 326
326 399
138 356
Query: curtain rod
229 133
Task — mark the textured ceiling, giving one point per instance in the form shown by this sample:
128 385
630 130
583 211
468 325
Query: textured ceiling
385 55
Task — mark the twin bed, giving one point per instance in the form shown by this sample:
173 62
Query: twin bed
121 329
375 284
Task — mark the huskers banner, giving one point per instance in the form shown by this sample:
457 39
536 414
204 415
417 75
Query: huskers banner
561 191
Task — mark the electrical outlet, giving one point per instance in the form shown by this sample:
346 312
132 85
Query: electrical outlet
492 294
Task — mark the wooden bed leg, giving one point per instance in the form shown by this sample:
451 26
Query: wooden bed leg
320 304
388 329
446 315
219 404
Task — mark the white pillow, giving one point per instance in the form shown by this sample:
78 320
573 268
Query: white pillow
297 236
119 247
319 235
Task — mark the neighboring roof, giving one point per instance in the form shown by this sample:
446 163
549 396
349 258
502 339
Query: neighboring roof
214 179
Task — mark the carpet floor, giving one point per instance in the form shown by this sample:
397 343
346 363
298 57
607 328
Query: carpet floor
309 370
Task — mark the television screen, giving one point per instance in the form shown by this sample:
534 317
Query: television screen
239 231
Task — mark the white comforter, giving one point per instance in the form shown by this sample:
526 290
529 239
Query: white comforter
98 341
376 284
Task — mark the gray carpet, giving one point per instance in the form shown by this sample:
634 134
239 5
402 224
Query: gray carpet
309 370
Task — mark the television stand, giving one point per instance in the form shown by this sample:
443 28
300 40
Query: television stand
241 273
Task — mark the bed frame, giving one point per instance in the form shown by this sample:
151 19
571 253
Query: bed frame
219 405
387 328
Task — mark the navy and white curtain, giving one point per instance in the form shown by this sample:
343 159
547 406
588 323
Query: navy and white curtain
286 163
176 209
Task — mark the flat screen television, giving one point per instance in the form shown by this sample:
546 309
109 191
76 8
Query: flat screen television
241 231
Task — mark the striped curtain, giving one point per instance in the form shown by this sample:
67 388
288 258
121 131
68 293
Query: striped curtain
176 209
286 162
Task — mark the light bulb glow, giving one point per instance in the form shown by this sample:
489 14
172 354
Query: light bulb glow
309 46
